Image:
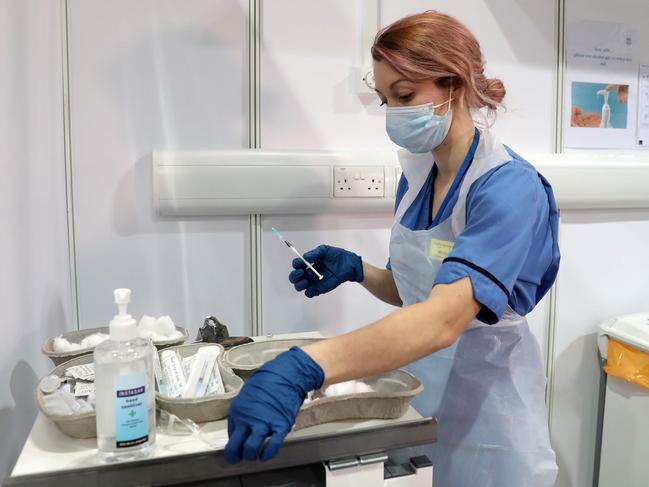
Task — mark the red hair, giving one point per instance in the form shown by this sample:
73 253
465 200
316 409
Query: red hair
432 45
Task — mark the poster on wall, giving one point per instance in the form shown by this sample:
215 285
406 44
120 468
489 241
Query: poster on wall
601 86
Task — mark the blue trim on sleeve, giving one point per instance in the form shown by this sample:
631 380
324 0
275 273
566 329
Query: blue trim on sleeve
489 295
482 271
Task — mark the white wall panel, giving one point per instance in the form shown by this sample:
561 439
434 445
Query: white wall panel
309 98
309 101
151 75
35 295
603 274
348 307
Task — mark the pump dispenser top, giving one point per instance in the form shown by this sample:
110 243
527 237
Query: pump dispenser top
122 327
606 110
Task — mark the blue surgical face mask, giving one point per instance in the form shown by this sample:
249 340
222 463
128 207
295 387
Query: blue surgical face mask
417 128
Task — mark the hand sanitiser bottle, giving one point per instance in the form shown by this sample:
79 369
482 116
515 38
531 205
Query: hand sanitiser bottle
124 389
605 123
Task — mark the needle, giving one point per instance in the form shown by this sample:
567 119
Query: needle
288 244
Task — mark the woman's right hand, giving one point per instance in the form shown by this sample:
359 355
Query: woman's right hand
335 264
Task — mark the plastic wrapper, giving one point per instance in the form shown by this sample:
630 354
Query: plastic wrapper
170 424
628 363
206 408
79 424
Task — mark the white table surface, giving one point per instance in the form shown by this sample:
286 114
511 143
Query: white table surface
48 449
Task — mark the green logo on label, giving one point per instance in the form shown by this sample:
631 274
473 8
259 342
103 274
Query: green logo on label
132 413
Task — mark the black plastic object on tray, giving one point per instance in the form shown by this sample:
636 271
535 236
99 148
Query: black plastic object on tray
213 331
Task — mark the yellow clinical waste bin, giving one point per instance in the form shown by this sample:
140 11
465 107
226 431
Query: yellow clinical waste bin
623 344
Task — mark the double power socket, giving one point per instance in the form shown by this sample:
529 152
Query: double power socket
359 182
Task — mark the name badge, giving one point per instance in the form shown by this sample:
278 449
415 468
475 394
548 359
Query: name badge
439 249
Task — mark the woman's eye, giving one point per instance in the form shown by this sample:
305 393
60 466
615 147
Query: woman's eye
405 98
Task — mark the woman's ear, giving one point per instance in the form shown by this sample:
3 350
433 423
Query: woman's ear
458 95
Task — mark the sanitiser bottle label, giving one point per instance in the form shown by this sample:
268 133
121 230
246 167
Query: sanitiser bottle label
131 414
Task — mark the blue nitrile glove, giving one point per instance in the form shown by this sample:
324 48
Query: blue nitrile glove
268 404
335 264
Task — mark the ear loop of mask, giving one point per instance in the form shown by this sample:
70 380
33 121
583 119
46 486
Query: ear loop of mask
408 108
450 99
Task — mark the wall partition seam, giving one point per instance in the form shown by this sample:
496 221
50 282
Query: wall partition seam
255 275
552 319
560 70
254 142
67 147
560 75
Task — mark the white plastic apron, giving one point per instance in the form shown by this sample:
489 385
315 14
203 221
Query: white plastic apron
487 390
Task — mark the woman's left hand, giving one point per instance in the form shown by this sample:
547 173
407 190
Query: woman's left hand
268 405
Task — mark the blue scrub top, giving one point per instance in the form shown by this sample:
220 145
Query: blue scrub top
509 246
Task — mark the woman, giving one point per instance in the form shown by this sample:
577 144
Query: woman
473 249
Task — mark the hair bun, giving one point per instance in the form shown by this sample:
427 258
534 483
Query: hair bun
495 90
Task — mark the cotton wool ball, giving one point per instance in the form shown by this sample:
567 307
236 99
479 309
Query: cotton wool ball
60 344
340 389
309 397
147 323
146 334
155 336
91 341
165 326
362 387
175 335
345 388
158 337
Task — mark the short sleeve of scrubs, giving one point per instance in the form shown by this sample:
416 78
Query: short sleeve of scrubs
507 246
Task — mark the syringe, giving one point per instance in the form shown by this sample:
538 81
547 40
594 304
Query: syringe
288 244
